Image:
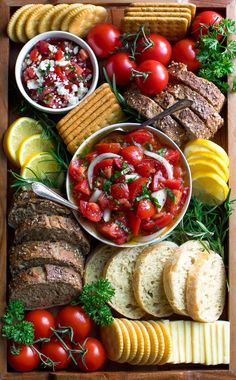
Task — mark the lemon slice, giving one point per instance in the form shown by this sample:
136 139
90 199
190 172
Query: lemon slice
206 146
32 145
209 187
18 131
203 164
44 167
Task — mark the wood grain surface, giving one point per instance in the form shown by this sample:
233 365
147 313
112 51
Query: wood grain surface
226 137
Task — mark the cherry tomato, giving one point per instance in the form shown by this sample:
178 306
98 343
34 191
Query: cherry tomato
145 209
112 231
173 205
90 210
104 39
108 148
136 187
160 50
75 317
76 169
134 223
140 136
57 352
146 168
184 51
26 360
120 190
82 187
94 356
157 222
121 66
132 154
207 18
103 164
43 321
172 155
156 80
172 183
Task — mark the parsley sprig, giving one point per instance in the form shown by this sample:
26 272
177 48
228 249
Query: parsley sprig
216 55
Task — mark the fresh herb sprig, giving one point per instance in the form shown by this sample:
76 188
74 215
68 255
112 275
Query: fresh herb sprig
217 54
204 222
94 298
14 327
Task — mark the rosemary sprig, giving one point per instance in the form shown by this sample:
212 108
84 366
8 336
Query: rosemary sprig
129 42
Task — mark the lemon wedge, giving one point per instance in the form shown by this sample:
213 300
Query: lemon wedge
203 164
32 145
18 131
209 187
203 145
44 167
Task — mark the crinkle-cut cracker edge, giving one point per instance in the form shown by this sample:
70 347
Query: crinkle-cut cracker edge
12 22
82 23
34 19
112 333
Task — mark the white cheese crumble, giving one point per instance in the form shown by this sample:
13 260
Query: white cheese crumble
52 48
62 63
32 84
44 65
76 50
74 87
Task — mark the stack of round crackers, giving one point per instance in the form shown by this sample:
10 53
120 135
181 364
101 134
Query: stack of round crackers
137 342
33 19
171 20
96 111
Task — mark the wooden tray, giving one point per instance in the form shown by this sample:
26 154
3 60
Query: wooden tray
226 137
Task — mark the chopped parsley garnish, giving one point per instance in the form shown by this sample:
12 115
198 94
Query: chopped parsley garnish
40 90
161 151
144 195
122 226
148 146
155 201
72 67
125 170
106 186
170 194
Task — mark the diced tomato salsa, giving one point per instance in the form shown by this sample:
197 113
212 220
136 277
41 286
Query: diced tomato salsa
128 188
57 73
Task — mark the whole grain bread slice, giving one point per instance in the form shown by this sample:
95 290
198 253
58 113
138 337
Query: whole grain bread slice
97 261
45 286
27 205
37 253
205 288
175 274
119 271
148 278
52 228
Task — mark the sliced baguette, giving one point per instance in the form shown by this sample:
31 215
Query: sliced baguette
176 272
97 261
205 288
147 278
119 271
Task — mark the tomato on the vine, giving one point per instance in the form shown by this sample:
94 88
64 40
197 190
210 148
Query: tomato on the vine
104 39
77 319
160 49
120 65
184 51
154 79
57 352
43 321
94 355
208 18
25 360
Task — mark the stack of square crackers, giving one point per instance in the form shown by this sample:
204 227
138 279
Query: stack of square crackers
93 113
171 20
32 19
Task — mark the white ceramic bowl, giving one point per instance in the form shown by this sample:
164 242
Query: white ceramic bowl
93 139
58 35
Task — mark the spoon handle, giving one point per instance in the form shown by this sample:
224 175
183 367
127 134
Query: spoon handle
181 104
45 192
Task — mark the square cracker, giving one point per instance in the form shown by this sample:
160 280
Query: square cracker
157 13
190 6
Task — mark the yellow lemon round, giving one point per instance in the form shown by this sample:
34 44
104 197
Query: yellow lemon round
202 164
32 145
206 146
209 187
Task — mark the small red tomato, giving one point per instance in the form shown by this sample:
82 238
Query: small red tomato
134 223
136 187
93 357
76 169
172 183
208 18
120 65
43 321
108 148
77 319
82 187
112 231
34 54
90 156
57 352
120 190
155 77
145 209
140 136
90 210
184 51
157 222
59 55
160 49
173 204
172 155
104 39
26 360
132 154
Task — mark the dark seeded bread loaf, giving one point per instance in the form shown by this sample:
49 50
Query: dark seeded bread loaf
27 205
38 253
52 228
47 286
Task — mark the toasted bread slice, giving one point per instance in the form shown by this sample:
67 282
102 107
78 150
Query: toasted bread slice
97 261
119 271
205 288
175 274
147 278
